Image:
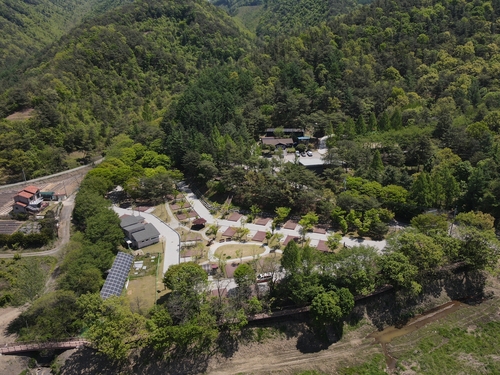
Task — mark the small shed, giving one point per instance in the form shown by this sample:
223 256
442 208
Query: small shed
48 195
198 223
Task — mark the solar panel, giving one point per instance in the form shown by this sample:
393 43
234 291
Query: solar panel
117 276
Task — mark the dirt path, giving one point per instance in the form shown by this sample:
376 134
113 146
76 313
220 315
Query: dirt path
289 356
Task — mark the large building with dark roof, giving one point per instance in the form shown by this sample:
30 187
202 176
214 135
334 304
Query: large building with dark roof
140 233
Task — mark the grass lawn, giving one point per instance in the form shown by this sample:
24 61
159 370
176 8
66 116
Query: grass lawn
141 289
161 212
246 250
154 249
141 292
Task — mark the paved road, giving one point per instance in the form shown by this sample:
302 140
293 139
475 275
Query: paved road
171 237
64 231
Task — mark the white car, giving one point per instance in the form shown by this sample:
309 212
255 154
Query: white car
309 153
297 153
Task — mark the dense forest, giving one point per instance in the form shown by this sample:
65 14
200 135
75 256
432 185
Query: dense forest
26 27
407 93
407 89
115 73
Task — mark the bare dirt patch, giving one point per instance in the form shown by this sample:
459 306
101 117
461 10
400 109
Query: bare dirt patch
21 115
233 251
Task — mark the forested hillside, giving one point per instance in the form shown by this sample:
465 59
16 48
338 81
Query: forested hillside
26 27
408 90
276 17
407 93
113 74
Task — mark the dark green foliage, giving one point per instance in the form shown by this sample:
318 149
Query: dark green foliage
112 75
283 16
29 26
53 316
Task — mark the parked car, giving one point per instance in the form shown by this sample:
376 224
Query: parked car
264 277
309 153
297 153
303 154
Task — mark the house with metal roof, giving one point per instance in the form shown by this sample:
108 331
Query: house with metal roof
140 233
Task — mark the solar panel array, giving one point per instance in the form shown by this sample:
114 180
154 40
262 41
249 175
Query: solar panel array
117 276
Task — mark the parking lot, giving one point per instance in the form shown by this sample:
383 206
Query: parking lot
291 157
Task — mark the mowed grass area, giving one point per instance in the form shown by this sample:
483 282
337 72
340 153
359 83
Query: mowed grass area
161 212
465 342
231 251
144 284
141 292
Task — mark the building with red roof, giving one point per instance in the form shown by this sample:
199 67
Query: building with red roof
28 200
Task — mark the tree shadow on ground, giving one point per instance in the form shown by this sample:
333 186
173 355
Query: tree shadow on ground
463 285
227 344
88 361
396 307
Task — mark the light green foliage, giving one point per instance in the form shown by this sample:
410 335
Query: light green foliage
281 214
478 220
112 327
329 307
333 241
308 221
186 278
244 275
355 268
479 248
421 250
430 224
399 272
198 333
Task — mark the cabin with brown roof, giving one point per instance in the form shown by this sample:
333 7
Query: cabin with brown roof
277 142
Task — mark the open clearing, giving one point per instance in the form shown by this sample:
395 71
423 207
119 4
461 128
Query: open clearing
160 211
141 292
231 251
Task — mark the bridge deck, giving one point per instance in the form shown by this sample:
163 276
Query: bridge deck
15 347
